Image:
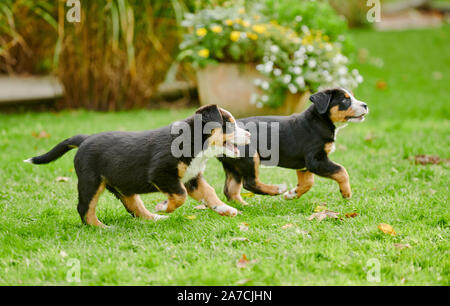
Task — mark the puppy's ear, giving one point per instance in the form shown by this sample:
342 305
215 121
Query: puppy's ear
321 101
210 113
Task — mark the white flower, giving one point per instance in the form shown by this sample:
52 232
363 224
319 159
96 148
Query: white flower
257 82
265 58
298 18
359 79
299 61
312 63
260 67
265 85
265 98
277 72
253 98
326 65
328 47
273 58
287 78
292 88
259 105
343 70
310 48
243 35
305 29
300 81
268 67
274 48
297 70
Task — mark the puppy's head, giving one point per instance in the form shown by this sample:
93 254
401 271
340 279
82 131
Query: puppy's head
340 105
222 133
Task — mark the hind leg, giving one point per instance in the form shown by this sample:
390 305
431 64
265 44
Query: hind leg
89 191
233 185
305 182
253 184
135 207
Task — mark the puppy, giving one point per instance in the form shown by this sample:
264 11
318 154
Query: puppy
305 142
133 163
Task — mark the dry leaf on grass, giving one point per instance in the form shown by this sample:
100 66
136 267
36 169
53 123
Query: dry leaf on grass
323 215
369 137
243 262
200 207
248 194
428 160
240 239
387 229
381 85
243 226
192 217
321 207
41 134
243 281
62 179
287 226
351 215
401 246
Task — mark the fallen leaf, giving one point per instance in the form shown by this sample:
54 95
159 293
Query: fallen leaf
381 85
351 215
240 239
41 134
428 159
63 254
242 263
387 229
370 137
243 281
192 217
243 226
401 246
287 226
248 194
200 207
324 214
321 207
62 179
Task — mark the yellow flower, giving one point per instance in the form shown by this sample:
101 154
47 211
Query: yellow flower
238 20
235 35
259 28
201 32
257 17
216 29
245 23
203 53
242 10
229 22
326 38
252 36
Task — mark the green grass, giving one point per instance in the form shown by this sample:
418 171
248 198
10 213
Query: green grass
40 230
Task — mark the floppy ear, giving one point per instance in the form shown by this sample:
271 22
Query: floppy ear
321 100
210 113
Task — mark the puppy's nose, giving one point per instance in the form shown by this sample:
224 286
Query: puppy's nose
364 105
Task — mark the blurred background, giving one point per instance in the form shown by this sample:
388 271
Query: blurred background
123 53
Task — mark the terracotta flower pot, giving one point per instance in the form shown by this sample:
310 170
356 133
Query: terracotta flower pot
231 87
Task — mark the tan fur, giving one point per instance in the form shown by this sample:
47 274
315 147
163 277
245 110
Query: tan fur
234 190
217 137
182 167
328 148
205 193
305 182
337 115
175 201
136 207
269 189
91 217
343 180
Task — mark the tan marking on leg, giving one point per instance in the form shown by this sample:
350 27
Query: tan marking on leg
136 207
205 193
175 201
182 167
337 115
234 190
269 189
343 180
91 217
329 147
305 182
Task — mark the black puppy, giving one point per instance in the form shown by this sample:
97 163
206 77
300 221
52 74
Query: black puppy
133 163
305 141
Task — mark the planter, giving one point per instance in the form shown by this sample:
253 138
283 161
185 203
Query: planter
231 86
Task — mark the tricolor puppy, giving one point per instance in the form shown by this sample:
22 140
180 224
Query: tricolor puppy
305 142
133 163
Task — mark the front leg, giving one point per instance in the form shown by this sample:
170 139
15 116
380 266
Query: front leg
305 182
323 166
201 191
176 196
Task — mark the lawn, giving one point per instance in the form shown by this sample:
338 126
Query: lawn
41 235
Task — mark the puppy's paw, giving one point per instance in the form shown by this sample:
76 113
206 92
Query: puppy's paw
225 210
291 194
282 188
346 194
162 206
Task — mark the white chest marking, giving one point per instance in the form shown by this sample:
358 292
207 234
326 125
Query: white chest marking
198 163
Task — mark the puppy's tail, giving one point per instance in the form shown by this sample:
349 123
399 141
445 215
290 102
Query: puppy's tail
58 151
